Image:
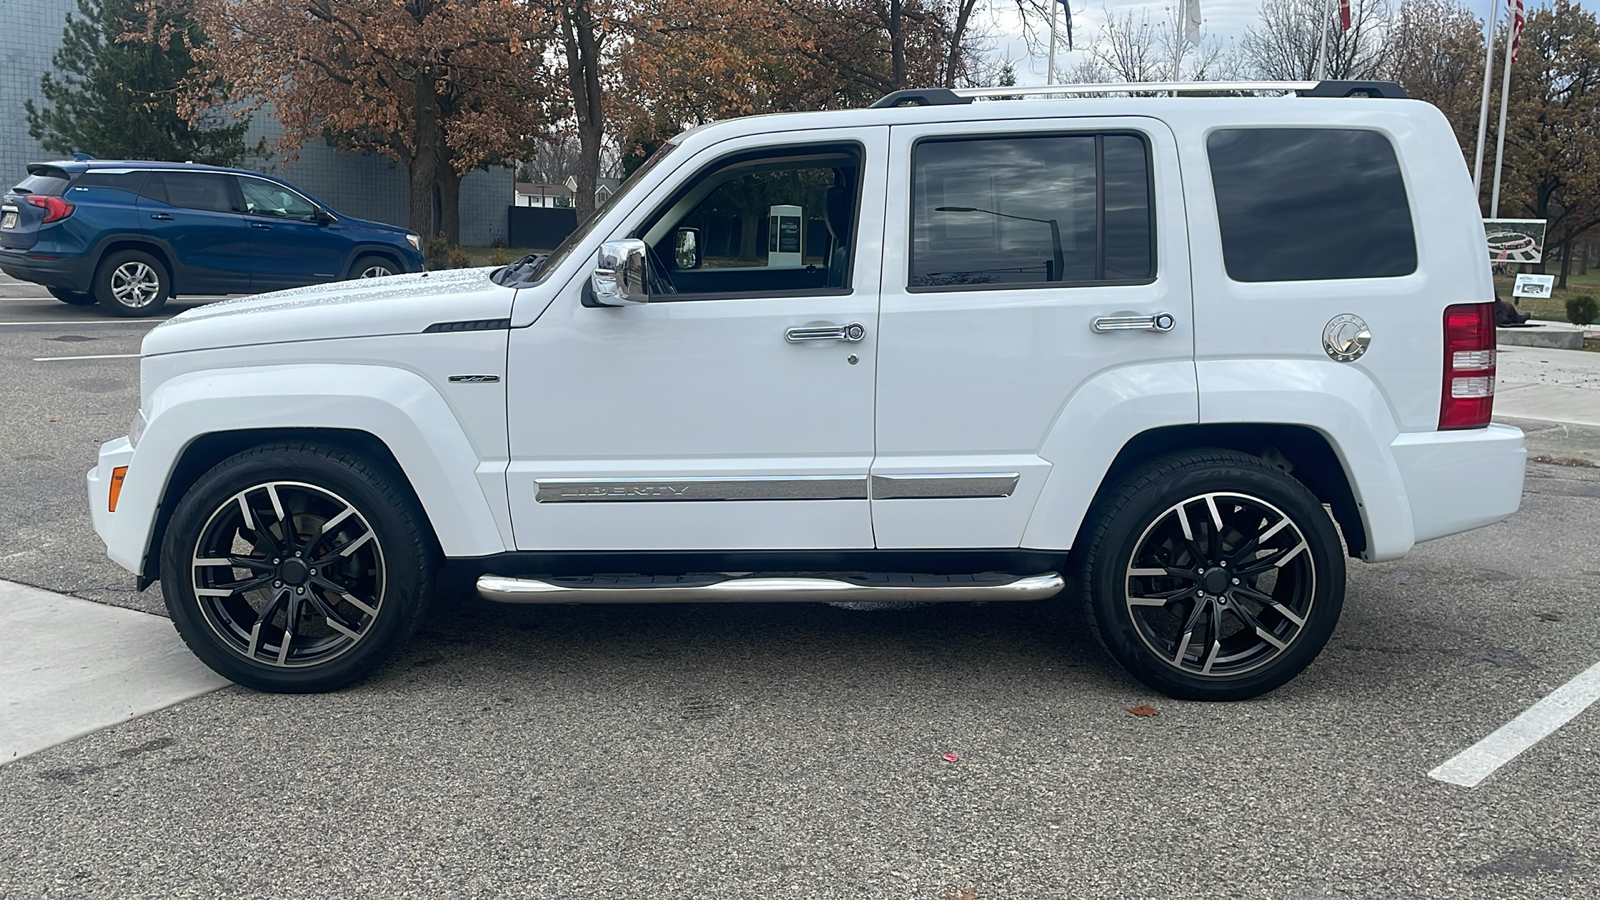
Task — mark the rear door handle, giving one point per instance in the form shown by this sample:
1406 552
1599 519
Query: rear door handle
1161 322
161 217
853 333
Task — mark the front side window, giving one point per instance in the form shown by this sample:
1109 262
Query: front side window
771 223
264 198
1050 209
1303 204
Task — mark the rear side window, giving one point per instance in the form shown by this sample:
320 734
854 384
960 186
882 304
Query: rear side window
120 181
1066 209
45 182
1303 204
192 190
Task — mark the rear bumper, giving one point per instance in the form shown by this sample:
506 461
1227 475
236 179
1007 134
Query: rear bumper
68 273
1460 480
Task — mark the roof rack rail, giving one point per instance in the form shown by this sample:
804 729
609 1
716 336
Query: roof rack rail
948 97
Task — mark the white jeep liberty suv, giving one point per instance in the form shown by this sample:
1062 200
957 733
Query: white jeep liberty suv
1175 355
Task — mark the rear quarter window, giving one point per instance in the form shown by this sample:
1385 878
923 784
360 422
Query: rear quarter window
1305 204
49 183
129 182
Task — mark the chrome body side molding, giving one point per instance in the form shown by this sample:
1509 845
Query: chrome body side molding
630 490
944 487
759 589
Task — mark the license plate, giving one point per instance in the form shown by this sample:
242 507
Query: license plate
10 219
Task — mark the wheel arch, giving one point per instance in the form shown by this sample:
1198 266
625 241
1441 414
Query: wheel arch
207 450
1300 451
156 249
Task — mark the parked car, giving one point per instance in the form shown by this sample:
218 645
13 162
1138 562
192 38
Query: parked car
1173 357
132 234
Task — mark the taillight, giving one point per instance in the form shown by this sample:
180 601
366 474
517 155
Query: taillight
55 208
1469 340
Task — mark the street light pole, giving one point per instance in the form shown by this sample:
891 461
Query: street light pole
1058 258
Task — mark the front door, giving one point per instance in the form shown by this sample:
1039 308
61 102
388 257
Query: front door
724 414
1019 236
289 244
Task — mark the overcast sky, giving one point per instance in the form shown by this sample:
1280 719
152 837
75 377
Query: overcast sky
1225 20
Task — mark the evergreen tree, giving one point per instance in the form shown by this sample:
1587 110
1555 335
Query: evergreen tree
116 92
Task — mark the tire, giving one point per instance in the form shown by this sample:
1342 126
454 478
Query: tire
372 266
132 283
1164 581
71 298
354 593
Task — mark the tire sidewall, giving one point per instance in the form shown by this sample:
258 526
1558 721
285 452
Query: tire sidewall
1106 582
102 283
407 569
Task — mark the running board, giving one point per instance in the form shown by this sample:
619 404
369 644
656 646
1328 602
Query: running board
769 589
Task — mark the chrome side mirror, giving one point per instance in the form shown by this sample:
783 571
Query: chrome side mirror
619 278
686 252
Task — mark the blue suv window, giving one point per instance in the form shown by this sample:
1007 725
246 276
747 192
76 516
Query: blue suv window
265 198
193 190
131 182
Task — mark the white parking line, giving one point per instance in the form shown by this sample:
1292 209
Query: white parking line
101 356
1479 761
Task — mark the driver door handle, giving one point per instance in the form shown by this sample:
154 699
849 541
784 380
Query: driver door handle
1161 323
852 332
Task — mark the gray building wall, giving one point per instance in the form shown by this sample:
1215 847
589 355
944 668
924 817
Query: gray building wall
360 185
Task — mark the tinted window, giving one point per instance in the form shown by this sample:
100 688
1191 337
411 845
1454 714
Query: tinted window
50 183
1299 204
121 181
1027 210
193 190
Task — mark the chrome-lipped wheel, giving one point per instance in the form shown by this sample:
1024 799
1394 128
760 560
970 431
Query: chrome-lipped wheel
288 574
1220 584
135 284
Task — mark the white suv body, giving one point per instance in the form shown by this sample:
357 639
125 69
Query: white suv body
944 430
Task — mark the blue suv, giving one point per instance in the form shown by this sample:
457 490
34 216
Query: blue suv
131 234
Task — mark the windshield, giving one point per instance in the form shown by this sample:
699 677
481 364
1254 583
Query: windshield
546 264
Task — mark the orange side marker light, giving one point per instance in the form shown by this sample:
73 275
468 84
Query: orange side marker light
117 474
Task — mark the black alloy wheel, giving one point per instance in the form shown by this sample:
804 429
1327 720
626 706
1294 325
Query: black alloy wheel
294 569
1214 576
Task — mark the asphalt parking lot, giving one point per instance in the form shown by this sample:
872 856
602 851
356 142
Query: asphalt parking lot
799 751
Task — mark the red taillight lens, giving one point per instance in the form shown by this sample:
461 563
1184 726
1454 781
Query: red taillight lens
1469 340
55 208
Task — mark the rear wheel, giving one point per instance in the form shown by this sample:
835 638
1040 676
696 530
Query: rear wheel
373 267
296 568
72 298
132 283
1213 576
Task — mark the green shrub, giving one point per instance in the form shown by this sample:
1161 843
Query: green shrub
1582 309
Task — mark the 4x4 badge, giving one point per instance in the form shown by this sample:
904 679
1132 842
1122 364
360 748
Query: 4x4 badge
1346 337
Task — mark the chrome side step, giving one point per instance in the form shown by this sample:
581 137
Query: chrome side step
769 589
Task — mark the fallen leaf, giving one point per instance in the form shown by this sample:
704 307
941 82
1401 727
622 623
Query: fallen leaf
950 757
1142 711
968 894
54 419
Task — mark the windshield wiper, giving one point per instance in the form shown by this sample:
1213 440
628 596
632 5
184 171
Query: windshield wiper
525 266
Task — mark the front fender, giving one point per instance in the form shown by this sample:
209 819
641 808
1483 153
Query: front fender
398 407
1097 421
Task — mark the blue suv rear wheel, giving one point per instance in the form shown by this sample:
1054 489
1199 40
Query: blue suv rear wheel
132 283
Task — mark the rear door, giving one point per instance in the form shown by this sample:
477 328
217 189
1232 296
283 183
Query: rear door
1009 239
289 245
200 216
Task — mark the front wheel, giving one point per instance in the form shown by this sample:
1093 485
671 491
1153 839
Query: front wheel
1213 576
373 267
295 568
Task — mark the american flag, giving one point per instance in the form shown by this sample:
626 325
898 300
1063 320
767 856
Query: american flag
1517 20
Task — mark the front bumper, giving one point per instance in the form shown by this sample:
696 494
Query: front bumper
126 553
67 273
1460 480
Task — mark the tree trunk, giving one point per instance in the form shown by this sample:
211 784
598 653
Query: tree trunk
424 163
897 46
448 182
1566 263
582 48
749 236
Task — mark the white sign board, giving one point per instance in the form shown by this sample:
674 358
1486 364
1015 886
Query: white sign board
1533 286
572 184
1515 240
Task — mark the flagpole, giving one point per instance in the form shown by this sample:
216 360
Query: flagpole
1050 67
1483 108
1500 139
1322 51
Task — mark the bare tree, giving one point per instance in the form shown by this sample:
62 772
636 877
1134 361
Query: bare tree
1140 49
1285 45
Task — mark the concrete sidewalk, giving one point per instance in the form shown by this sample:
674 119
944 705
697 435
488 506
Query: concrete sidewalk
1549 385
70 667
